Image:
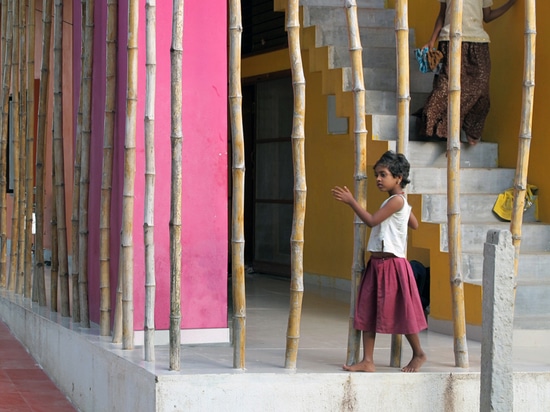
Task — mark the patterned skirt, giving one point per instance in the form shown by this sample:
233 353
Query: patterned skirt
474 98
388 300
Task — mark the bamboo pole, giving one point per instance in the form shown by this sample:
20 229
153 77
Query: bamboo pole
403 113
149 216
30 149
360 175
59 160
453 188
75 213
176 60
403 80
107 175
54 268
87 67
47 9
14 284
6 82
21 278
126 239
526 126
300 190
238 175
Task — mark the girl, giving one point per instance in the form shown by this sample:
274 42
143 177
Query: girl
388 299
475 70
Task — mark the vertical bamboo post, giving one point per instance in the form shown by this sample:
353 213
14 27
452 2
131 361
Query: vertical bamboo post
360 175
525 135
54 261
47 9
59 159
107 175
14 283
238 178
300 190
403 80
30 149
22 279
127 232
86 90
453 188
75 213
7 44
176 59
149 217
403 110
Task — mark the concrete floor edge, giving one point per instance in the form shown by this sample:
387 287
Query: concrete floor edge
97 375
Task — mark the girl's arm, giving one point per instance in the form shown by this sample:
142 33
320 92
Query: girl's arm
413 223
490 15
393 205
439 22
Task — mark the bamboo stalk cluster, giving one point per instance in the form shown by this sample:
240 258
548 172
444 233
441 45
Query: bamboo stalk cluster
17 97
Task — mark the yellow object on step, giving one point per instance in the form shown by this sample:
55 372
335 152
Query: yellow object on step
505 202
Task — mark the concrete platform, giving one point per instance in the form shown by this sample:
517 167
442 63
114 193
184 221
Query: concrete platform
98 375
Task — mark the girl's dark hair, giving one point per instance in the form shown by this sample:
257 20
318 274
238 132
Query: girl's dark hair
397 164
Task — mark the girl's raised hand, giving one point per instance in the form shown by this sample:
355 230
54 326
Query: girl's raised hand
342 194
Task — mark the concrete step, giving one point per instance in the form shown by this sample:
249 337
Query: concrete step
426 180
532 267
535 236
336 16
433 154
531 322
532 299
385 102
378 78
474 208
331 3
370 36
373 57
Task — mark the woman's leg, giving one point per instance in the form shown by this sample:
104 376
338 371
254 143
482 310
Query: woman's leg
367 364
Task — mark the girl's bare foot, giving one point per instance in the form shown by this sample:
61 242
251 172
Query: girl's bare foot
363 366
414 365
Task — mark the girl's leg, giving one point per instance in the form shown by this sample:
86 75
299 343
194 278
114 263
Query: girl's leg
418 358
367 364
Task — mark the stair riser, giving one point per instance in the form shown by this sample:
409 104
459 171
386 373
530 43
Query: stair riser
535 237
433 154
336 16
532 300
531 268
472 180
384 102
331 3
370 36
473 208
386 79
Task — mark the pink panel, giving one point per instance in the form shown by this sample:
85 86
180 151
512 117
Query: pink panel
204 231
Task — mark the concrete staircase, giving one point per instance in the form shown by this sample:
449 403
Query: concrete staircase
481 178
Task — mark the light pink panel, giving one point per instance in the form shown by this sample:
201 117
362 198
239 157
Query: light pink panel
204 230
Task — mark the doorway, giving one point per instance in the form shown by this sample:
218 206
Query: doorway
269 181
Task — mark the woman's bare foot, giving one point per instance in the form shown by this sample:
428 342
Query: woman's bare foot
363 366
414 365
472 141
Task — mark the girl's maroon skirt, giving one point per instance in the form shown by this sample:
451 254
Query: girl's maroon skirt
388 299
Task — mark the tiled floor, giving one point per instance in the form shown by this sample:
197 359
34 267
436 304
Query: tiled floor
24 387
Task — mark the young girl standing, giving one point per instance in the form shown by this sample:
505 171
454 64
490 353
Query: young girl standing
475 70
388 299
